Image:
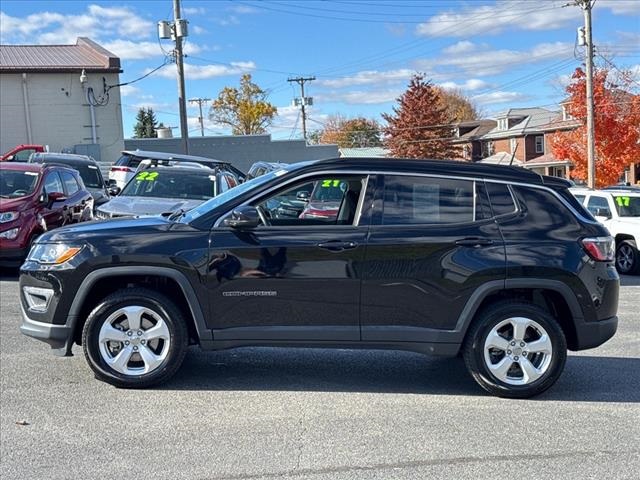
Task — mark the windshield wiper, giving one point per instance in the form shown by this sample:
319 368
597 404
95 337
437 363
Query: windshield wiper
177 214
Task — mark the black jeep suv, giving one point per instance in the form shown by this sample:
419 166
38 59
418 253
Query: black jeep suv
497 264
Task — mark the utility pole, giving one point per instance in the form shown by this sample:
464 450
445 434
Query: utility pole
586 6
200 101
303 101
178 24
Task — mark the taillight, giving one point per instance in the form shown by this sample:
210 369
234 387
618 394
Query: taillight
121 169
601 249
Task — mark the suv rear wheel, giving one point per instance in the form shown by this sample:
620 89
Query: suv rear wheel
627 260
135 338
515 350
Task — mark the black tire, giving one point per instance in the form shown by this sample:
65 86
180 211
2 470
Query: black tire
627 258
493 316
173 354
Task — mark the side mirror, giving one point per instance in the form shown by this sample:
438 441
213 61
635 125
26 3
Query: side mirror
603 212
10 158
242 218
114 190
55 197
303 195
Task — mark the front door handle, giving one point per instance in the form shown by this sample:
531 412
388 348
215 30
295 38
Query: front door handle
337 245
474 242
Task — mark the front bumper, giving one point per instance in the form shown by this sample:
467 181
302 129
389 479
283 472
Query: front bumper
13 257
57 336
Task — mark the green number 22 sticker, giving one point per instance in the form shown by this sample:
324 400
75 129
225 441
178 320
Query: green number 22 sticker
623 201
149 176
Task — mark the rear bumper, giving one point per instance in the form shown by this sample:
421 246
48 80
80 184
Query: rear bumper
594 334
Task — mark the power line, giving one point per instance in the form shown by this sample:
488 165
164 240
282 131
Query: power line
303 101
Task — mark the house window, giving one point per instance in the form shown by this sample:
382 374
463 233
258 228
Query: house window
465 152
503 124
540 144
513 143
488 149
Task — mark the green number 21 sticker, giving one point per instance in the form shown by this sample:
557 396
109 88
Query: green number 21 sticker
623 201
149 176
330 183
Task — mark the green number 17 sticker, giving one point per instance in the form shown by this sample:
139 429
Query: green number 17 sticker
623 201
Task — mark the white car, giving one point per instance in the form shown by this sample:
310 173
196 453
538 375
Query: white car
619 211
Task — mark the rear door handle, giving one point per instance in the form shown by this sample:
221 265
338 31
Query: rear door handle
474 242
337 245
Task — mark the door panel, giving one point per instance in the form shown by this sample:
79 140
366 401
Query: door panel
417 277
276 283
296 277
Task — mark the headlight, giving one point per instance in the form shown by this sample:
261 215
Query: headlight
10 234
53 253
8 216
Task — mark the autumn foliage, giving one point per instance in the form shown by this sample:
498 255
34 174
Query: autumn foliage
617 128
419 126
349 133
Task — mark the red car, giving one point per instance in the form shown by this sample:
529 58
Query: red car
21 153
35 198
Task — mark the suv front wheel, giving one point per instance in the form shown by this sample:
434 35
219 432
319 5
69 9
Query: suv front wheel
135 338
515 350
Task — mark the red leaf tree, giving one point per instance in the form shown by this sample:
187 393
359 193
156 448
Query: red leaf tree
419 126
617 127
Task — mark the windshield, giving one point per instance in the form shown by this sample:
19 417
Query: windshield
237 191
627 206
171 183
15 183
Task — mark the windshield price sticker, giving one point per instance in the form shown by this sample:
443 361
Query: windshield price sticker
148 176
623 201
330 183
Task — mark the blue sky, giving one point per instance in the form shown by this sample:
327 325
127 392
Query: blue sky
502 54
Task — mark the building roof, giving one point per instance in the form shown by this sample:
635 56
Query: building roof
533 119
479 128
501 158
364 152
85 54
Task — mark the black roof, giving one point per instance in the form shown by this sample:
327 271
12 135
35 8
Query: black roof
445 167
67 158
170 156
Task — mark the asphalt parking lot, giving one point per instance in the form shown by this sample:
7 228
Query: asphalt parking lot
262 413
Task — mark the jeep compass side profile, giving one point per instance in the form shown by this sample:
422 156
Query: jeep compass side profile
498 264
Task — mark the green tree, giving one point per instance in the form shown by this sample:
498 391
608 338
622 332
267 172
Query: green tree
348 133
146 124
245 110
419 126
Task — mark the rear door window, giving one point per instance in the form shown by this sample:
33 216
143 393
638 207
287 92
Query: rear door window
52 183
501 199
411 200
70 183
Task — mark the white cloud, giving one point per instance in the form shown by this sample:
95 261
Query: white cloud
51 27
369 77
198 30
463 46
194 10
128 50
499 97
128 90
620 7
485 62
470 85
359 97
200 72
493 19
243 9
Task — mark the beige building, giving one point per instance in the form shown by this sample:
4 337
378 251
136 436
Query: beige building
46 99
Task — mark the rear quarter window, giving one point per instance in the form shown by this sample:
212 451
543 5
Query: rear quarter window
501 199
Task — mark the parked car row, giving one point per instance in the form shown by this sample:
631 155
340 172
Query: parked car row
34 202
